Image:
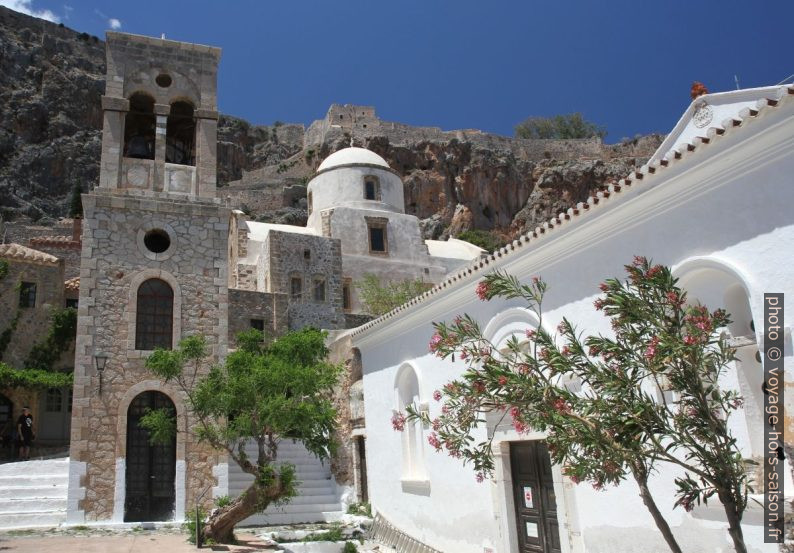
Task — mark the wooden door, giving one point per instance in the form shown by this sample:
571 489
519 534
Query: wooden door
533 492
151 469
55 416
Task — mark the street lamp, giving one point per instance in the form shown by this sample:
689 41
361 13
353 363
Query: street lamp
100 359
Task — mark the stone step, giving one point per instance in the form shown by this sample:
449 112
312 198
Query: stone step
34 480
303 508
49 466
292 518
30 492
34 505
32 520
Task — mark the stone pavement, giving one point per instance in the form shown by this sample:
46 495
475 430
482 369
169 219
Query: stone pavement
145 541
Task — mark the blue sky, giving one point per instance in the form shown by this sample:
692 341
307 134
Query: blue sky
625 64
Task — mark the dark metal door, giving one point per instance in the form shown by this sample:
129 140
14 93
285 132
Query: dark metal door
362 464
533 492
151 469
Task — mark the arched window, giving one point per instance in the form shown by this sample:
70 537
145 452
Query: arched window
180 135
139 127
407 390
154 315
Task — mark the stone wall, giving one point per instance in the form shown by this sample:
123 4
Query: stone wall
115 263
245 305
288 258
33 322
362 121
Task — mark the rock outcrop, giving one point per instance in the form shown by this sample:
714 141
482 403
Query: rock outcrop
52 78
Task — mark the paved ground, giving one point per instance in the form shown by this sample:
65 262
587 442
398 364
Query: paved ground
144 541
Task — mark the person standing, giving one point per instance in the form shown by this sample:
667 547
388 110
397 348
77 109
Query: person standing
25 433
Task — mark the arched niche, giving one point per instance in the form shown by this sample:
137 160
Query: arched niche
716 284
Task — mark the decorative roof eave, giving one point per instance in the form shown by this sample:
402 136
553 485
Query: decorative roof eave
72 285
18 252
58 241
647 172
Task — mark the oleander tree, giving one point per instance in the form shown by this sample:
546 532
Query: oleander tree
262 393
611 407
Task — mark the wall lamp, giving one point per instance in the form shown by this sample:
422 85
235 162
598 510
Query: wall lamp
100 359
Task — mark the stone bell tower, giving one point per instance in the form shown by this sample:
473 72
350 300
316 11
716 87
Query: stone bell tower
153 271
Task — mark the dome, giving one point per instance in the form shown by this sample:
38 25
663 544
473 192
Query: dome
352 156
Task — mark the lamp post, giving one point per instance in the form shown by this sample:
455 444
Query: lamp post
100 359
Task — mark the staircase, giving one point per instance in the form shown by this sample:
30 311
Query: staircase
317 499
33 493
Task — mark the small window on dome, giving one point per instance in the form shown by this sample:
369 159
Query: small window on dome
371 188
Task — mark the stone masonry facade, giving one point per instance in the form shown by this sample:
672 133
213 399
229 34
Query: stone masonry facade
114 265
135 198
311 259
246 306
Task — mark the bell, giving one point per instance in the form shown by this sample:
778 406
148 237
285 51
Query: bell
138 148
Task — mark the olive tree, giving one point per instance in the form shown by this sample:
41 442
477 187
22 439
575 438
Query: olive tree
262 393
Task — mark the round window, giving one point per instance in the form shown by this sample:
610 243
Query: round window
157 241
163 80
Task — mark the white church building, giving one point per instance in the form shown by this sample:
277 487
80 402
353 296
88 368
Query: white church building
715 204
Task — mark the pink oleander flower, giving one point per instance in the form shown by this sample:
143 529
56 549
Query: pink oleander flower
594 350
482 290
653 271
437 395
639 260
480 477
434 441
599 304
650 351
445 410
561 406
502 380
575 479
566 351
464 354
561 327
523 368
479 387
398 421
604 287
531 334
436 424
690 340
435 341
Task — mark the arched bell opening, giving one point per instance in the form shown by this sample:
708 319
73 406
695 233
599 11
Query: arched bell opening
180 136
139 127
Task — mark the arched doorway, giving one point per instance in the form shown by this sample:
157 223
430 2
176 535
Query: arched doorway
151 469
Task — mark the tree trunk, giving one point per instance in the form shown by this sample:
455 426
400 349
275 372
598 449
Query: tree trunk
641 477
220 525
734 524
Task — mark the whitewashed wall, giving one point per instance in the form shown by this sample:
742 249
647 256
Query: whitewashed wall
726 207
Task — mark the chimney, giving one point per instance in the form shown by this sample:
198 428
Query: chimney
77 229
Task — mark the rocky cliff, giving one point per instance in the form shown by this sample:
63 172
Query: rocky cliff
52 78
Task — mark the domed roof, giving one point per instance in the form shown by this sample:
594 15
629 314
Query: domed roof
352 156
